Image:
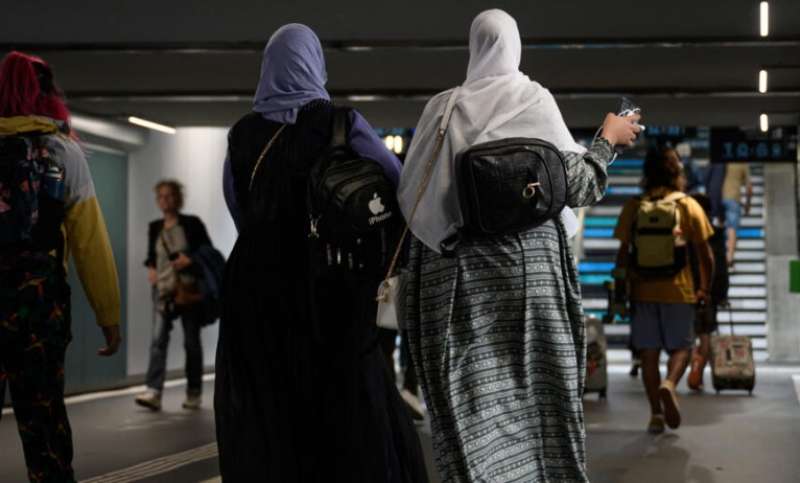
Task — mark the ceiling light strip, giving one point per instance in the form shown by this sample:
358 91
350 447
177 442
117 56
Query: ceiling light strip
152 125
762 81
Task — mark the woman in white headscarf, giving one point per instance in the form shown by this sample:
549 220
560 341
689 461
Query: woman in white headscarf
496 325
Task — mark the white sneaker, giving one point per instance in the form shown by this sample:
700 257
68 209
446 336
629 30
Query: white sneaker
151 399
193 402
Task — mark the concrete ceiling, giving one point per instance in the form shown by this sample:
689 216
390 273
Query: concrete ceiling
196 62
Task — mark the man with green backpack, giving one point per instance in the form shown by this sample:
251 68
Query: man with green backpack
656 231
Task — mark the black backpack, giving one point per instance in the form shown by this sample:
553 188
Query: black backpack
510 185
354 216
31 195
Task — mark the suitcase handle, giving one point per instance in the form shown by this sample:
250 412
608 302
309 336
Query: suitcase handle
727 305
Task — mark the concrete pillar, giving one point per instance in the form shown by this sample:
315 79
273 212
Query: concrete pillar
783 308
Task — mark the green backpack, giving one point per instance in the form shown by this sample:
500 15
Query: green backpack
658 249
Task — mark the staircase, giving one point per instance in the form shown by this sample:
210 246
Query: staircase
747 294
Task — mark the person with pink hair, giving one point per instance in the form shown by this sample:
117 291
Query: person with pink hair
48 208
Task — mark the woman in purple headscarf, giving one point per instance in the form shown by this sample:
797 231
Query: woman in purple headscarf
302 392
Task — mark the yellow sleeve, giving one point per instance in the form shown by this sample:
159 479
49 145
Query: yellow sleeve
90 247
700 228
622 231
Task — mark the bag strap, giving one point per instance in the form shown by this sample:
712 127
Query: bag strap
440 134
339 131
164 241
264 153
675 196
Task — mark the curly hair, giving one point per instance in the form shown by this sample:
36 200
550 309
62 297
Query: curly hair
176 187
662 169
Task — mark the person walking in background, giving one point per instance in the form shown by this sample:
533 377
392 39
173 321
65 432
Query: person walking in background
495 323
48 209
303 393
654 231
737 175
706 314
172 244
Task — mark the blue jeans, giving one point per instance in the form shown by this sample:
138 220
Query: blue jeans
191 320
733 213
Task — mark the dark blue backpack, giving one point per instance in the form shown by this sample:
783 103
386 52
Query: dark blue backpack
31 195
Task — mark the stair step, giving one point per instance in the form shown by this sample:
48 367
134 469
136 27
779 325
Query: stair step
748 279
756 212
737 304
750 245
754 331
748 256
601 244
748 304
750 330
748 268
747 292
752 221
605 210
741 317
617 180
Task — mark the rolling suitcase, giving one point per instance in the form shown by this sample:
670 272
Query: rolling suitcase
596 362
732 364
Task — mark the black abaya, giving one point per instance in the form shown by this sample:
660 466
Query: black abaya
303 394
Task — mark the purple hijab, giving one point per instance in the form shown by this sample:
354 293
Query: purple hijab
292 74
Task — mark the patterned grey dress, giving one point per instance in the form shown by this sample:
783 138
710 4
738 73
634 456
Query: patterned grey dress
497 338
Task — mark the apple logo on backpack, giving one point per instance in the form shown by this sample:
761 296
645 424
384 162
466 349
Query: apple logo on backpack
375 205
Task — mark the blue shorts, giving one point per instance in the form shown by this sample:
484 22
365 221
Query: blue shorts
662 326
733 213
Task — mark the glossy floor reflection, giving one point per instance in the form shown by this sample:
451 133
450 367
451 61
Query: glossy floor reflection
729 438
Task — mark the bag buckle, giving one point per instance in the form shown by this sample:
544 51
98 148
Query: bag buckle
530 190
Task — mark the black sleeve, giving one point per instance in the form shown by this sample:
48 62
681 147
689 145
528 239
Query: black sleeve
152 236
196 233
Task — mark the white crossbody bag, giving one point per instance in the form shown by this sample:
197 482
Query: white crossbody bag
389 289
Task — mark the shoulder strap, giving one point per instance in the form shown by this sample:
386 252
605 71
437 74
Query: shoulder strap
164 241
440 135
674 196
339 128
264 153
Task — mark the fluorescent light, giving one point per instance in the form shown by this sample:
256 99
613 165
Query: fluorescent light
764 19
151 125
356 98
389 142
764 121
398 144
762 81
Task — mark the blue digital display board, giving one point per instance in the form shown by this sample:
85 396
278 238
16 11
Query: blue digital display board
732 145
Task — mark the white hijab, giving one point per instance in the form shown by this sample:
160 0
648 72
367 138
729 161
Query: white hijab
496 101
